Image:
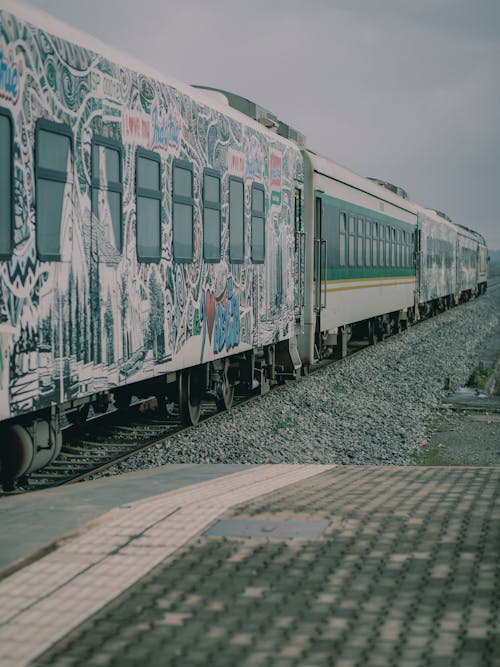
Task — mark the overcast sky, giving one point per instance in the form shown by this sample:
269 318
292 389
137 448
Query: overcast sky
404 90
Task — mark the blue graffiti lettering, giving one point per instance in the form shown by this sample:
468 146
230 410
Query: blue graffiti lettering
9 79
166 130
227 321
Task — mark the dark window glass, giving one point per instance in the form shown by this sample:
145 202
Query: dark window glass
183 181
6 203
183 205
381 245
52 150
360 242
107 191
375 244
258 225
211 217
148 207
368 248
342 241
148 173
352 240
236 221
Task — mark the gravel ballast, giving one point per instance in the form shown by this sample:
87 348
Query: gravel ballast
369 409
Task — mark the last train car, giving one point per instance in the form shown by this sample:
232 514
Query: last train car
146 237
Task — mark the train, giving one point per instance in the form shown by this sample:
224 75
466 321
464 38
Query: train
160 239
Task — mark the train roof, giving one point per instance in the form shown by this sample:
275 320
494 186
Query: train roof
64 31
331 169
443 219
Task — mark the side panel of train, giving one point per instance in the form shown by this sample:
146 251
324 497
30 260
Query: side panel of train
363 257
438 259
141 231
369 263
452 261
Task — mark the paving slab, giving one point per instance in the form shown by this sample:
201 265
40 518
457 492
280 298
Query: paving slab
406 574
51 596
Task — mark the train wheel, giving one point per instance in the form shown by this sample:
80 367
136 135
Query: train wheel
190 385
224 390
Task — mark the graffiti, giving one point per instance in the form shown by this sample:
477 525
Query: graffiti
227 320
275 164
10 74
221 318
99 317
166 129
136 128
255 166
236 163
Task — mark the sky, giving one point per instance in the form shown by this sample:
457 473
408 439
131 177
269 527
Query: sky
400 90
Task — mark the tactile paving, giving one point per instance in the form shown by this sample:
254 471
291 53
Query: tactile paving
407 574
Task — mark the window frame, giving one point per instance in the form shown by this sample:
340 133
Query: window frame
7 114
112 186
182 199
45 125
236 179
255 213
147 193
214 207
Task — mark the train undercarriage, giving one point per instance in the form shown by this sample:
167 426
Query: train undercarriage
34 441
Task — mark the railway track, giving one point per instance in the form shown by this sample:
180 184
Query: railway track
108 439
103 441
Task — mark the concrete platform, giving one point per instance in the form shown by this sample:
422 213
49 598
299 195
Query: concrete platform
34 521
276 565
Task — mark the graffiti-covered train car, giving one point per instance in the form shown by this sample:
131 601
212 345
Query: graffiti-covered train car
146 236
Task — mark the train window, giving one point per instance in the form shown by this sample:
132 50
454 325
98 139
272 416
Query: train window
148 205
53 146
236 220
182 211
393 247
398 247
258 224
387 246
368 247
381 245
211 216
360 241
107 188
6 185
352 240
375 244
342 239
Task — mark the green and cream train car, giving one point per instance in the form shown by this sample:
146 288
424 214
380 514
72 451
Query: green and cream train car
360 260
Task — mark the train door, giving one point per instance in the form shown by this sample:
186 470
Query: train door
319 259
